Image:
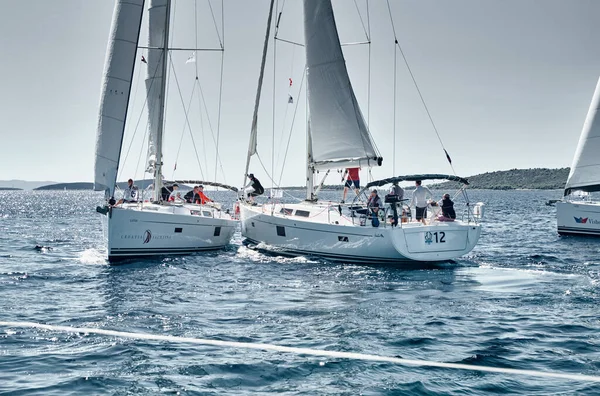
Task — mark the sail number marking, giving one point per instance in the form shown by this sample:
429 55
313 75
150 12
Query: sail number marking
437 237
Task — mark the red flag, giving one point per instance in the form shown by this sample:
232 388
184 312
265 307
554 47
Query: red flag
290 81
144 59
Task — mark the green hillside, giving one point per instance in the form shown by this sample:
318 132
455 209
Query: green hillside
536 178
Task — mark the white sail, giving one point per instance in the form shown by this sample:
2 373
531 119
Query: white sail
116 88
585 170
157 14
339 134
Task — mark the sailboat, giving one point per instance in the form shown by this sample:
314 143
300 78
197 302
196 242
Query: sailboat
576 213
149 227
338 137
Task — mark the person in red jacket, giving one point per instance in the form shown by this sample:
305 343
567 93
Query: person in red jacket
200 197
353 178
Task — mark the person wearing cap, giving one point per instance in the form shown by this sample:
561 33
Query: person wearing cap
175 194
200 198
374 204
130 194
254 188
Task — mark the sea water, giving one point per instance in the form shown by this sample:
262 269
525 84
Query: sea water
524 298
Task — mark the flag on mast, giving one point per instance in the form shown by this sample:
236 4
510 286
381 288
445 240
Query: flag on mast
192 58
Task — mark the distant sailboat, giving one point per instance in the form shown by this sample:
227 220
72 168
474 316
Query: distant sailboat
140 229
338 137
577 213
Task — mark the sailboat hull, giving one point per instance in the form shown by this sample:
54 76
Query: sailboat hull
155 230
578 218
325 233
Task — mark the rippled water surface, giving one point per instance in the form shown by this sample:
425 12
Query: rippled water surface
524 298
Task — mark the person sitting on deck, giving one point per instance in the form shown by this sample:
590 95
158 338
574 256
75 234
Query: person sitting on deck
254 188
200 198
175 194
130 194
189 196
448 213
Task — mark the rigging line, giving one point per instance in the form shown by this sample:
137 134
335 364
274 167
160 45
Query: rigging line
215 23
186 118
291 127
361 19
303 351
394 127
212 133
137 80
217 157
417 86
274 92
202 126
369 70
137 167
273 181
196 39
186 110
141 114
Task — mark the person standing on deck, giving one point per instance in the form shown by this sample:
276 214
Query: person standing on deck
353 178
420 201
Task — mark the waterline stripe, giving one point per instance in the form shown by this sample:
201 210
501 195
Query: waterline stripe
301 351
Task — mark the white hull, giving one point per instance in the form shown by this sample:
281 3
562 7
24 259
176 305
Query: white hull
136 230
325 233
578 218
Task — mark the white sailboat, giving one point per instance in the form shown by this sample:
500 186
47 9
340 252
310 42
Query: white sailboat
577 214
338 137
153 227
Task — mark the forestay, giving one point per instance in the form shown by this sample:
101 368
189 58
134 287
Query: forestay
338 131
157 14
585 170
116 88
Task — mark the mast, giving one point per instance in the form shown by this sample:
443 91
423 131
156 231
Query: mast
254 131
161 116
310 170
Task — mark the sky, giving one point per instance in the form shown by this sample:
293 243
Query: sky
508 85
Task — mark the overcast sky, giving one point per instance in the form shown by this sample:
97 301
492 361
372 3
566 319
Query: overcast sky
508 84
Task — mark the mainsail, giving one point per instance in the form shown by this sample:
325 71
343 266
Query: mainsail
116 88
157 15
338 131
585 171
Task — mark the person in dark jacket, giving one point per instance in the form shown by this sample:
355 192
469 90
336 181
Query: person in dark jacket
254 188
448 207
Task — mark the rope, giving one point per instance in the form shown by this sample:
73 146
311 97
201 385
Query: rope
186 115
417 87
186 110
209 123
302 351
221 42
291 128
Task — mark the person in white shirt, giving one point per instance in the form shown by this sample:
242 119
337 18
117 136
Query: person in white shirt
175 194
130 194
420 201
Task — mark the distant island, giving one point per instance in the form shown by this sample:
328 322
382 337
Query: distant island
10 189
67 186
513 179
